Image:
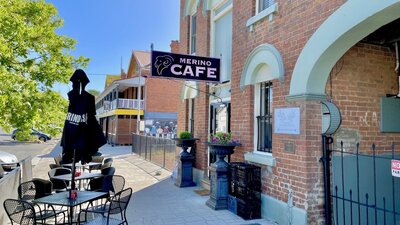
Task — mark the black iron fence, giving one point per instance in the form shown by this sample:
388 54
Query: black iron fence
363 189
160 151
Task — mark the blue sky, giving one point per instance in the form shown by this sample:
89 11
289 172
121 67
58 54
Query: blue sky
106 30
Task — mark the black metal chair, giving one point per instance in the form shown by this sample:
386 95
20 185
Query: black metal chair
96 159
107 163
59 185
108 171
43 187
109 183
53 165
116 204
27 191
24 212
57 160
38 188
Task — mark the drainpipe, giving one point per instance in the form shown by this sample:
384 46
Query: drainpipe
397 66
139 98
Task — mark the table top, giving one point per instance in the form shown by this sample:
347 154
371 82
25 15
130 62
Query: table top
62 199
79 164
68 177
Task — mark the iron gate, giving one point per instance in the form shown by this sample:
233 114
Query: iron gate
359 186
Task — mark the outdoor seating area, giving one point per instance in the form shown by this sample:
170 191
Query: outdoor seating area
92 195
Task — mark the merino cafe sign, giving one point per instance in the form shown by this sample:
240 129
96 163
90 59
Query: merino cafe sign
187 67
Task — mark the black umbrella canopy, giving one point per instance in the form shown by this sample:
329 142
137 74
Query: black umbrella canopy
82 135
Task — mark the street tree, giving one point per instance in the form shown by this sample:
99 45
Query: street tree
33 57
94 92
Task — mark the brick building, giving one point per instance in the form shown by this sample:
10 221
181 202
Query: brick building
279 60
134 96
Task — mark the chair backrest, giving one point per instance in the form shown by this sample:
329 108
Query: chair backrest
108 171
119 202
20 212
43 187
97 159
95 184
52 166
107 163
108 160
59 171
113 183
58 184
57 160
27 191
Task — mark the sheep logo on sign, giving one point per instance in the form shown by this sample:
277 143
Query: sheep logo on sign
163 62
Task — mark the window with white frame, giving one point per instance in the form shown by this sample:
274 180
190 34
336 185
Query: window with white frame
193 20
222 37
263 117
263 4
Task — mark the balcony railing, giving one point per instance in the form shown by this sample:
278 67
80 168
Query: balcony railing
124 103
121 103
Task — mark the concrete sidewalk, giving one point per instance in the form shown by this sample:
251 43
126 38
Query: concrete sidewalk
156 200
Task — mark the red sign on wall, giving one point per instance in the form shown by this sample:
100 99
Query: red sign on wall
396 168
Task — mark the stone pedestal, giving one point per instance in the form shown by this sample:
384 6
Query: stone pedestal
218 184
185 169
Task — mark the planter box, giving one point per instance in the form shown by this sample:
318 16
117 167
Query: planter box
248 210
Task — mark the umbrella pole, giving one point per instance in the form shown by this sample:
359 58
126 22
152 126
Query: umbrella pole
73 175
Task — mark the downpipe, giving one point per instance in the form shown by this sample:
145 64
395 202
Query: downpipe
326 141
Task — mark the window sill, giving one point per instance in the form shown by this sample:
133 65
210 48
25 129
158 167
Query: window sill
267 160
266 12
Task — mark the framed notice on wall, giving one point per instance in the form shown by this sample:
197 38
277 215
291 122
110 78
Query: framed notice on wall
287 121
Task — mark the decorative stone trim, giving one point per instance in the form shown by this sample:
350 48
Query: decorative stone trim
266 12
267 160
306 97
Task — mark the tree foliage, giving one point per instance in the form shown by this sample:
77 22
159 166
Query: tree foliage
94 92
32 58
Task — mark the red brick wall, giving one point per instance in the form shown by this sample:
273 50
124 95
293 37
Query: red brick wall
162 95
125 128
362 76
289 31
366 75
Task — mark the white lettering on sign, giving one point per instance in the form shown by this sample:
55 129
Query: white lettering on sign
396 168
76 119
211 72
176 69
195 62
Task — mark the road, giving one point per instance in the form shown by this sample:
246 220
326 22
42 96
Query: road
23 149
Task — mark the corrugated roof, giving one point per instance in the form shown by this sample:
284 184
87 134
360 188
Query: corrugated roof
142 57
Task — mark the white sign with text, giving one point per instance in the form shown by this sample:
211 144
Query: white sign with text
395 168
287 121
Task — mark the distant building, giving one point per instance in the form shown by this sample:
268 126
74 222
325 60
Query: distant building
133 97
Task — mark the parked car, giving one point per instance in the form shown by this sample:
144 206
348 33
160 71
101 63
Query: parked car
40 135
8 161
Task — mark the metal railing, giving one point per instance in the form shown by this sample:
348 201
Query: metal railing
364 191
160 151
121 103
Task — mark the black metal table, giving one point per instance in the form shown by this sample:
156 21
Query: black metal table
83 176
61 199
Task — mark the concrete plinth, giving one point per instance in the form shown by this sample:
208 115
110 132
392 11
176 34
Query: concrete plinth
218 184
185 170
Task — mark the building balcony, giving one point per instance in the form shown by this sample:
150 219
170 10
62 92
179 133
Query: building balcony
121 106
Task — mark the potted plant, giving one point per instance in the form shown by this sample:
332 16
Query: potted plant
185 140
185 169
221 144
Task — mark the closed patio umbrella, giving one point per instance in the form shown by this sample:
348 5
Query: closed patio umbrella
82 136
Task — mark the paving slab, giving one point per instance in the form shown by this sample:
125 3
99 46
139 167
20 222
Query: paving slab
156 200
